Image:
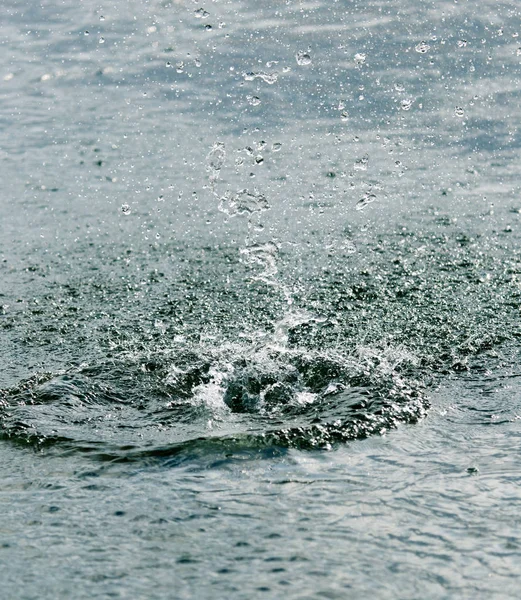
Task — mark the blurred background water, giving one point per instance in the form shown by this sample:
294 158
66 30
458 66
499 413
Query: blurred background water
259 299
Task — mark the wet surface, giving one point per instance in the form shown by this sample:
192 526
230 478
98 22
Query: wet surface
259 300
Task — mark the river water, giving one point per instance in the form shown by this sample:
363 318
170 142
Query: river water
259 299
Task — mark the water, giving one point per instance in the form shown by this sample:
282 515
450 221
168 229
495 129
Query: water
259 300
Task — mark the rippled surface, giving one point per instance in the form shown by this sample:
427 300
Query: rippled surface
260 300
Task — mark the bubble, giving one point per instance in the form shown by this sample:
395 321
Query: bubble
366 199
303 58
462 43
459 112
344 115
208 27
86 33
259 159
276 146
399 87
101 18
125 209
406 104
201 13
422 47
101 40
253 100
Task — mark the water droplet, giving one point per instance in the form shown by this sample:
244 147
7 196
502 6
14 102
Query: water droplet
303 58
86 33
243 202
361 163
208 27
101 40
276 147
253 100
406 104
168 64
125 209
269 78
200 13
359 59
101 18
459 112
264 255
259 159
422 47
366 199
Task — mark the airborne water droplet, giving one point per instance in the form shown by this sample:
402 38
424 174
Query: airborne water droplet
201 13
359 59
365 200
303 58
422 47
361 163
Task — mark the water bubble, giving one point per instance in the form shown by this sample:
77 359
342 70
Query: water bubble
168 64
361 163
459 112
208 27
253 100
101 18
344 115
259 159
86 33
462 43
366 199
399 87
422 47
406 104
197 62
180 66
200 13
303 58
101 40
125 209
276 146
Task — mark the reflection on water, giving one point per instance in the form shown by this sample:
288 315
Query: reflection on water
237 235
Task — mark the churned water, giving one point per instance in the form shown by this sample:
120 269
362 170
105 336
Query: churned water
260 291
